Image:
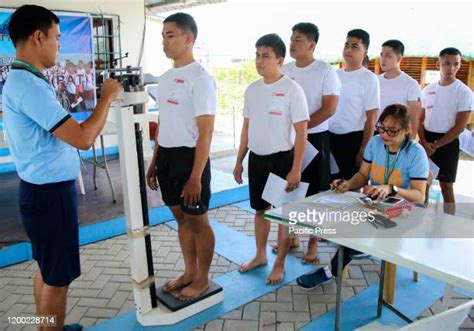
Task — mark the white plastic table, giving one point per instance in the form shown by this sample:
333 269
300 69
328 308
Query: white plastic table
428 241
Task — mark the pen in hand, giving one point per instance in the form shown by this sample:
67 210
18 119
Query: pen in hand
337 183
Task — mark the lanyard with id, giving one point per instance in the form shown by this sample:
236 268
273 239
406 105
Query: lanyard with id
390 167
18 64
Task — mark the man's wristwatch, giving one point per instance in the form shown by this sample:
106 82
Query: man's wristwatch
394 190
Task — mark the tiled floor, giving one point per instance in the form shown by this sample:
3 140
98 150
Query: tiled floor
104 289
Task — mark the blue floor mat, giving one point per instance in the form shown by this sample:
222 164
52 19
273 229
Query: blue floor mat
412 298
239 288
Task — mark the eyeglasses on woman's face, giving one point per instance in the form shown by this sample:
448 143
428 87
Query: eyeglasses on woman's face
391 132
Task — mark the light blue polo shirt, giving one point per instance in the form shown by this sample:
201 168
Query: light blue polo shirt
31 113
411 164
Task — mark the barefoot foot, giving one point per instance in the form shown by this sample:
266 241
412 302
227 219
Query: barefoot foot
312 255
276 276
256 262
193 291
310 258
295 243
177 283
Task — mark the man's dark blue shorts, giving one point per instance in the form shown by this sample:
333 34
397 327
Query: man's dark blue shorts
49 214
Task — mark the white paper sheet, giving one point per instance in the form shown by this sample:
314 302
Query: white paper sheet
336 200
274 191
333 164
466 142
310 153
434 168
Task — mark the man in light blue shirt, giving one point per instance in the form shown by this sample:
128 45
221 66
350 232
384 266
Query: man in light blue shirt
43 139
32 114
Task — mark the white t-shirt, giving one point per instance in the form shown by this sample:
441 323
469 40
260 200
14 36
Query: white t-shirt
89 82
183 94
272 109
360 92
70 80
317 79
442 103
401 89
81 76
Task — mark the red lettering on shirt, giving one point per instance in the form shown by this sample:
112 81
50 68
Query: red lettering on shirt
278 94
179 81
278 113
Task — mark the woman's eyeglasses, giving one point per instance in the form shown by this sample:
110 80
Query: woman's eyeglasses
391 132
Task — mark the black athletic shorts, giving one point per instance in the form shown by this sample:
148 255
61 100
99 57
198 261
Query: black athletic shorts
318 172
344 148
49 214
445 157
173 167
260 167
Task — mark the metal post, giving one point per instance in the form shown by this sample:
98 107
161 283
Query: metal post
144 203
381 285
94 155
340 260
106 168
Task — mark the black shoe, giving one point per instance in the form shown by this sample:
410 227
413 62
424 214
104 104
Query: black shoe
356 255
315 279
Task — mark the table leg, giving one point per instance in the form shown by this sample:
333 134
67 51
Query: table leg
390 281
94 156
339 287
381 301
415 276
381 286
448 295
106 168
80 182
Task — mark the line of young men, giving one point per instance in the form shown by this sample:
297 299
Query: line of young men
275 126
343 108
307 99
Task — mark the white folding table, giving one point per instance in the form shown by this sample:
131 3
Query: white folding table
427 241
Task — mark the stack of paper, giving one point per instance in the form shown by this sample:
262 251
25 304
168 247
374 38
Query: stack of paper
275 194
434 168
310 153
335 200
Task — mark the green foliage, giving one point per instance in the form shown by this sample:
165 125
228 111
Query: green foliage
231 85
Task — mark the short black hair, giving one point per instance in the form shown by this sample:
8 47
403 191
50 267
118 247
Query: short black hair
310 30
184 22
29 18
396 45
273 41
450 51
397 111
360 34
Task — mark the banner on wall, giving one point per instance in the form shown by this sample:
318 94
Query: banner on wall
73 76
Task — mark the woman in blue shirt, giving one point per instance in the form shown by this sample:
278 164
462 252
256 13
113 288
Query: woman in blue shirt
393 164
